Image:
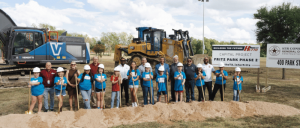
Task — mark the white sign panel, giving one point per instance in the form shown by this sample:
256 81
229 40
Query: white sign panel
247 56
283 56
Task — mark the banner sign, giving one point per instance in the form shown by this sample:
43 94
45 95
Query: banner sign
247 56
283 56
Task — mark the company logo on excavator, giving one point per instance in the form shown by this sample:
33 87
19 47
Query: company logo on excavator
56 48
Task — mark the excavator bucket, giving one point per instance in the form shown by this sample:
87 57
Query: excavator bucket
5 21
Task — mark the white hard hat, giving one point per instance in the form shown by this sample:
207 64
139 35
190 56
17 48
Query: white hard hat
36 69
147 65
116 69
59 69
161 68
237 69
101 66
87 67
175 56
221 64
199 65
179 64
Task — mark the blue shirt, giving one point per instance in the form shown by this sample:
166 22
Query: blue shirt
134 77
37 90
178 86
235 83
98 84
162 81
57 87
86 84
166 66
219 78
147 76
198 80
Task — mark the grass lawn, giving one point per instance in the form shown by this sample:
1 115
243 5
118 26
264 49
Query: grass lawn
15 100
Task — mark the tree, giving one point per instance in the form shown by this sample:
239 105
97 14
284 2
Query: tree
99 48
280 24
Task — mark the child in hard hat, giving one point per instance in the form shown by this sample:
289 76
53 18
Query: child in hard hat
133 76
37 89
237 85
147 77
161 84
115 80
100 85
200 75
60 85
218 84
179 77
86 80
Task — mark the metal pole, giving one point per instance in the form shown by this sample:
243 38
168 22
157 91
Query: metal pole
203 29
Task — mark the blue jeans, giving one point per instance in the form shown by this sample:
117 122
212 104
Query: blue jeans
45 95
86 94
236 96
146 90
190 85
113 95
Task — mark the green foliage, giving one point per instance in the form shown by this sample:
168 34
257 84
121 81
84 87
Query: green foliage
99 48
197 45
279 24
112 38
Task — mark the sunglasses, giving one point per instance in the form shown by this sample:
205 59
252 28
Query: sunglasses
190 61
73 64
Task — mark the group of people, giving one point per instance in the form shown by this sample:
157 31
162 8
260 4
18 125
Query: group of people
129 77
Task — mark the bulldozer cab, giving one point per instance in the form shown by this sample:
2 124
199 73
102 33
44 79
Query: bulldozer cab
152 37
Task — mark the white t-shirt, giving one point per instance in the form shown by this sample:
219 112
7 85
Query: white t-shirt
208 69
123 70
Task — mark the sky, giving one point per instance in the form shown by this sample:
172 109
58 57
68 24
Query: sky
224 20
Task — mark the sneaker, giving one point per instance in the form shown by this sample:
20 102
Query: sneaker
52 110
46 110
98 107
135 104
117 107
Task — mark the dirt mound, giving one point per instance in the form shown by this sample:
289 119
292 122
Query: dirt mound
159 112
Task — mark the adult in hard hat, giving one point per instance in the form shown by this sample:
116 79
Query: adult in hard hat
86 81
173 69
237 84
190 70
218 84
37 89
60 86
124 86
166 67
147 88
142 70
48 75
100 85
208 69
71 75
199 78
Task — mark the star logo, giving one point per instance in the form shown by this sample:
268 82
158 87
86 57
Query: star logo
274 50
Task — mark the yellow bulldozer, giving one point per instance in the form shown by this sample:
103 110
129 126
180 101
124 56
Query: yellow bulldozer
152 43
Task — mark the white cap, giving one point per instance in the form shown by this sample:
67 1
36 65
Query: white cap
221 64
237 69
161 68
199 65
116 69
179 64
147 65
101 66
87 67
59 69
175 56
36 69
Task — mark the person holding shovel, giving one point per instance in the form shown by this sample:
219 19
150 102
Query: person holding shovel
199 78
100 85
133 76
147 80
221 76
161 84
86 81
115 80
71 75
237 85
37 89
179 77
60 86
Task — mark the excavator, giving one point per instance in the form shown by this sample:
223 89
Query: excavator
24 48
152 43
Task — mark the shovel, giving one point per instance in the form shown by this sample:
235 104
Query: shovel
202 90
103 95
29 89
77 91
150 90
120 91
222 89
59 98
182 88
137 100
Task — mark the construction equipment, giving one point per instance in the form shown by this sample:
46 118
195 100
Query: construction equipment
152 44
26 47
